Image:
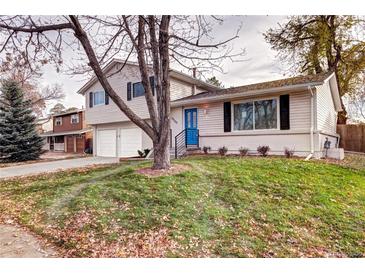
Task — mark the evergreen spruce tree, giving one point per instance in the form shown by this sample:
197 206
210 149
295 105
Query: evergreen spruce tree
19 140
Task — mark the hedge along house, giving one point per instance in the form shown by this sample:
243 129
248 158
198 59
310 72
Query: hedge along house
298 113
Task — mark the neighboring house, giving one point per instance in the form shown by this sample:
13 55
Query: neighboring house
298 113
44 124
69 133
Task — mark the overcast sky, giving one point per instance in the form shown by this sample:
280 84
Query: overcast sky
260 63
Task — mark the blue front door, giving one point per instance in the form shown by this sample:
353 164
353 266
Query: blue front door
191 126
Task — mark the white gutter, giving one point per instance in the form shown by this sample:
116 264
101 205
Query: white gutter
311 124
203 100
50 134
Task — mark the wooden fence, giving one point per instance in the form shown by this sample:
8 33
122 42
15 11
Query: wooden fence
352 137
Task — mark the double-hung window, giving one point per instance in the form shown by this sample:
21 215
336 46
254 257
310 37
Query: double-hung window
252 115
58 121
99 98
75 118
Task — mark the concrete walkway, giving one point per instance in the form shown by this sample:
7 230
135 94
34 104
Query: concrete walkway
42 167
18 243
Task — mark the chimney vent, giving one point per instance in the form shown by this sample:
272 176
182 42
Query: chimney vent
194 72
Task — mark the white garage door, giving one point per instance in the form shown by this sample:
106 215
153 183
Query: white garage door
131 141
107 143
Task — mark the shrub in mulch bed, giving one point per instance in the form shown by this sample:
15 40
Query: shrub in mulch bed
222 151
263 150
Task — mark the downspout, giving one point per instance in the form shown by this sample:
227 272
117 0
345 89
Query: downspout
95 131
338 137
310 155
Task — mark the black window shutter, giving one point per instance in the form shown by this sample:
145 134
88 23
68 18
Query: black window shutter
91 99
129 91
227 116
106 98
284 112
152 83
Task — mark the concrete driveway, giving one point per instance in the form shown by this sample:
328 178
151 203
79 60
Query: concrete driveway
32 169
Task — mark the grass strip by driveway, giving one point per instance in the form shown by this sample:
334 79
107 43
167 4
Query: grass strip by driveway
222 207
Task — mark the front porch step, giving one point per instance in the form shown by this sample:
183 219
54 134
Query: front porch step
189 148
192 148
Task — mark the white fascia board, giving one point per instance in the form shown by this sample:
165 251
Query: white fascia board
301 87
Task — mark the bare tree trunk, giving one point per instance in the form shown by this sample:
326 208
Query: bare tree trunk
342 115
162 148
161 158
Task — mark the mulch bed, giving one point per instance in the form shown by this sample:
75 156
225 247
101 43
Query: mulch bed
174 169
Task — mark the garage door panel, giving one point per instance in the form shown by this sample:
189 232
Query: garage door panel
131 141
106 145
70 144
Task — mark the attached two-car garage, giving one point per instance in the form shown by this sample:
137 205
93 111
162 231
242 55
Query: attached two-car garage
118 142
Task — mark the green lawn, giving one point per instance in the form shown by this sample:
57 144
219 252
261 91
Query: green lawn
222 207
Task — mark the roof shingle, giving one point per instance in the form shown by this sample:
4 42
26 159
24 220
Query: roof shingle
298 80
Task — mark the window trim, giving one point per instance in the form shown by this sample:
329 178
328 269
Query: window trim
100 104
277 98
58 119
78 118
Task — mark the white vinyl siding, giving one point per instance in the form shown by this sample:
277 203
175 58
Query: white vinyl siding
210 118
176 122
180 89
299 105
210 115
326 113
299 142
110 113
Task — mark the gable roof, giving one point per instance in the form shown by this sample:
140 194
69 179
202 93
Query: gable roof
173 73
298 81
68 112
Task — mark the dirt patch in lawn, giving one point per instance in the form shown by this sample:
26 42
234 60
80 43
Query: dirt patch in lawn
174 169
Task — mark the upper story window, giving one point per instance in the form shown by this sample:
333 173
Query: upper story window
58 121
75 118
138 89
252 115
99 98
